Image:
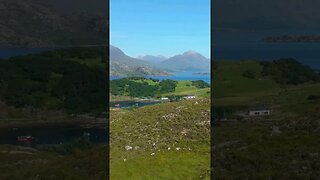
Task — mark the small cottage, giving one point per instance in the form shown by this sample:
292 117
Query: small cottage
190 97
259 111
164 99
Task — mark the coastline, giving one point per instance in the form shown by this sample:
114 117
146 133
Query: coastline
80 121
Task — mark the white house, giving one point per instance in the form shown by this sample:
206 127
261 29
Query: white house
259 111
190 97
164 99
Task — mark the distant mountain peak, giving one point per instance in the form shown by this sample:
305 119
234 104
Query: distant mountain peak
153 59
122 64
191 52
190 60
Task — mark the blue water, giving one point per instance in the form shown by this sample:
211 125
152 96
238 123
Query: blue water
248 45
53 134
186 75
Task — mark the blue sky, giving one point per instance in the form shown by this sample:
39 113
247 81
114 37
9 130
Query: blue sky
160 27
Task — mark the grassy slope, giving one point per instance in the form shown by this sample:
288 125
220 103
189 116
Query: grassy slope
246 150
183 88
154 129
186 88
230 86
23 163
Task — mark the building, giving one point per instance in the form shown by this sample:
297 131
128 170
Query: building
259 111
165 99
190 97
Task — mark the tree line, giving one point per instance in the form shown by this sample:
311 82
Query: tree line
50 81
142 88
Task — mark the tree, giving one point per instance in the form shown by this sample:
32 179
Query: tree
249 74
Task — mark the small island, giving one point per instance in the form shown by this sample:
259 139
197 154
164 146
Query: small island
292 39
201 73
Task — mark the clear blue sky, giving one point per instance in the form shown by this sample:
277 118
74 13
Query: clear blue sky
160 27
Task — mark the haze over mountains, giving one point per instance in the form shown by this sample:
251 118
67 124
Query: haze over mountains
122 64
188 61
153 59
47 23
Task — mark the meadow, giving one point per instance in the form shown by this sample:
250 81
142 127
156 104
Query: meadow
264 148
139 87
30 163
164 141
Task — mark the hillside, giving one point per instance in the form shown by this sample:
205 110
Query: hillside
35 23
31 163
265 147
124 65
59 82
169 140
140 87
188 61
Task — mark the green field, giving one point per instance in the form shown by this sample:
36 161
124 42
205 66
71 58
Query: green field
231 88
168 141
29 163
183 87
252 149
186 88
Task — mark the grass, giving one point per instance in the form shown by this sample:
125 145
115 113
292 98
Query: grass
178 133
27 163
229 82
250 149
186 88
163 165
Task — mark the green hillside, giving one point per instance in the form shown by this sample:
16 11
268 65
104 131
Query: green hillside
61 88
53 84
264 148
144 87
164 141
28 163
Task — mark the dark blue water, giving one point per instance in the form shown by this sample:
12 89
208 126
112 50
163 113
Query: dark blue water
128 104
52 134
249 45
185 75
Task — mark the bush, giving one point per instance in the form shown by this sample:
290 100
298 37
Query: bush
249 74
200 84
289 71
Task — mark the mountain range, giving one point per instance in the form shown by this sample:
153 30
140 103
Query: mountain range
52 23
124 65
188 61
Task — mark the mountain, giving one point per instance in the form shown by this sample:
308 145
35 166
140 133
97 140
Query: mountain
188 61
38 23
153 59
266 14
124 65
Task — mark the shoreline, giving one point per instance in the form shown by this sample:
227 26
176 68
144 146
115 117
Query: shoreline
84 123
